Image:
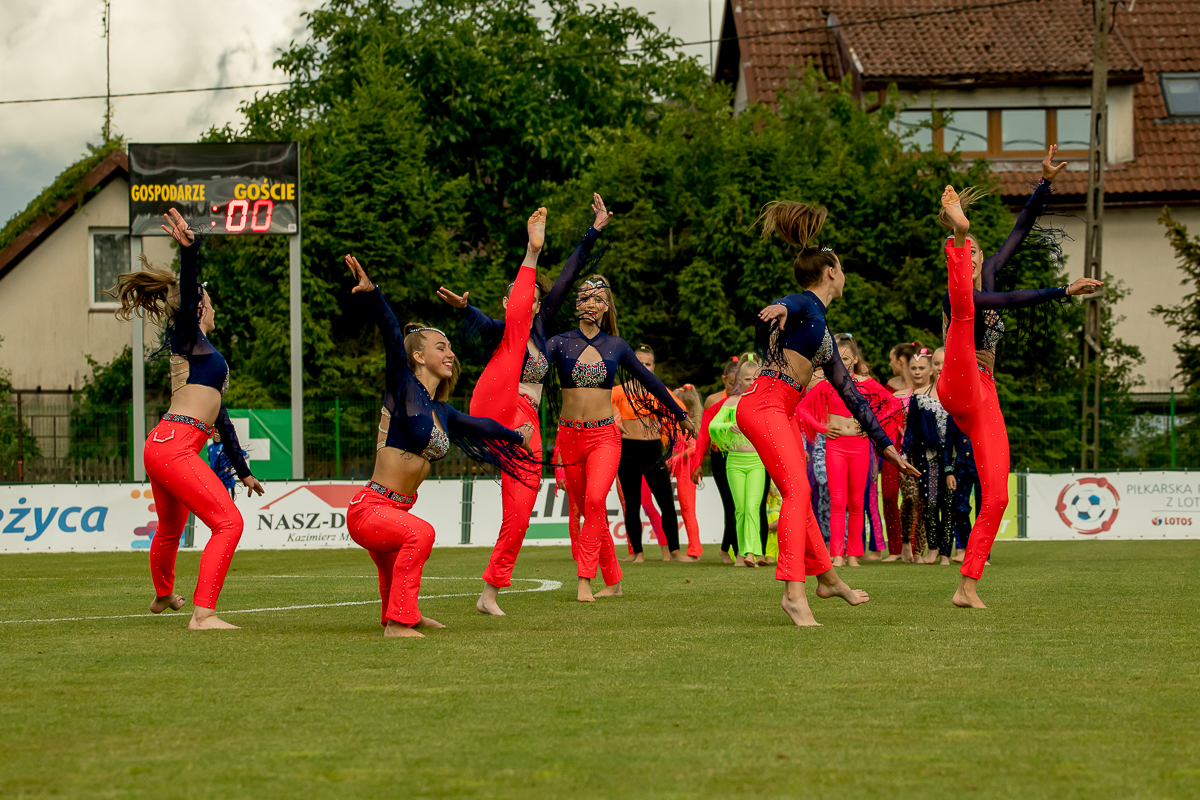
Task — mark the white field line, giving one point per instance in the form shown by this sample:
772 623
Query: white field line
543 586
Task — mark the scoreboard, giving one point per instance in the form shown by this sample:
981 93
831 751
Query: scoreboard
239 189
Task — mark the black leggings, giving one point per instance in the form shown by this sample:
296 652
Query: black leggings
640 459
729 538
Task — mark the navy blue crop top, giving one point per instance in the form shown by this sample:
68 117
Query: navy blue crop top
989 304
205 364
563 352
413 428
805 332
488 331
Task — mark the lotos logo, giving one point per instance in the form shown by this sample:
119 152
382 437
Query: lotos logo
1171 521
1088 505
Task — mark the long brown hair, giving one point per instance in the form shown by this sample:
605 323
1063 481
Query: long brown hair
799 224
608 323
152 292
414 341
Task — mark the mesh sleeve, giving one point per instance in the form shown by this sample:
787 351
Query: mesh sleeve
479 332
1021 298
571 271
1024 224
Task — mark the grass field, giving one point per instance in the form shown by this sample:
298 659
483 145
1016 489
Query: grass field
1081 680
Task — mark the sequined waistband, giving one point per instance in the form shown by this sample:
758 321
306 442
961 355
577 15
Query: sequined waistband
779 376
195 423
390 495
578 423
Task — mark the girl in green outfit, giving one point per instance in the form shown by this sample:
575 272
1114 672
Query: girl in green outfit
744 469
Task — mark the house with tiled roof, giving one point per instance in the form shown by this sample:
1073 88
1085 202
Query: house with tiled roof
56 259
1003 81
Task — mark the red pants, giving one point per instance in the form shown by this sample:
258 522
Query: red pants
890 478
182 482
687 505
969 395
764 415
847 463
497 395
590 457
399 544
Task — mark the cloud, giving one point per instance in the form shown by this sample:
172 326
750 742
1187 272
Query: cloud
55 48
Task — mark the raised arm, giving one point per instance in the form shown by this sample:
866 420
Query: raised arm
393 334
185 325
553 300
1025 221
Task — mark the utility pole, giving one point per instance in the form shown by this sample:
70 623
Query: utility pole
1092 265
108 115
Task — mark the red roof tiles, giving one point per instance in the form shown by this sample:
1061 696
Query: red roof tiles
1040 41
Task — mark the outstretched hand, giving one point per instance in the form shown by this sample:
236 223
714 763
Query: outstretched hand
1050 171
178 228
1084 286
774 312
901 463
602 214
451 299
253 485
360 274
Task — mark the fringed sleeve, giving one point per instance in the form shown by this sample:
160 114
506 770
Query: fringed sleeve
234 453
654 405
721 429
479 335
491 444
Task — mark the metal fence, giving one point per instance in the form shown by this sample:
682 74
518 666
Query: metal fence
59 439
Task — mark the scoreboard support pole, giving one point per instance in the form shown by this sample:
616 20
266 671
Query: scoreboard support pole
139 375
297 355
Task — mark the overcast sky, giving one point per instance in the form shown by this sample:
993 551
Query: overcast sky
55 48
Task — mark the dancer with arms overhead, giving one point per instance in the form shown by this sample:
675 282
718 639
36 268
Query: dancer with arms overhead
510 388
972 315
585 361
417 428
792 339
181 481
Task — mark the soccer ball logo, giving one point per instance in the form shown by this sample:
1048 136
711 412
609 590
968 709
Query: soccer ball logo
1088 505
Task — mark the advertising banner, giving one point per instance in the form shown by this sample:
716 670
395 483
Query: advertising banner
1113 505
291 515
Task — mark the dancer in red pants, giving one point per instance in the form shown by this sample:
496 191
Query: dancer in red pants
180 479
847 453
766 413
966 386
585 362
510 388
417 427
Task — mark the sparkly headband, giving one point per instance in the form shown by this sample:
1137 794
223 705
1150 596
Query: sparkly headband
435 330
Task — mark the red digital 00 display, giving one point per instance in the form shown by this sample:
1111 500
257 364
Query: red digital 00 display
231 189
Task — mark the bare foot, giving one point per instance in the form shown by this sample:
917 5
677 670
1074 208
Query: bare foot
537 229
739 561
428 622
967 596
830 585
636 558
675 555
611 591
397 629
171 601
945 562
958 559
955 212
853 561
931 557
763 561
795 605
666 554
751 561
725 557
838 561
770 562
487 601
890 559
584 593
205 619
872 556
906 553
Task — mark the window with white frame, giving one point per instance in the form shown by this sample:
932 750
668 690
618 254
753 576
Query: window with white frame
108 257
1181 93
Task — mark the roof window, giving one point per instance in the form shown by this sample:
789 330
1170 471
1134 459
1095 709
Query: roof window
1181 92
